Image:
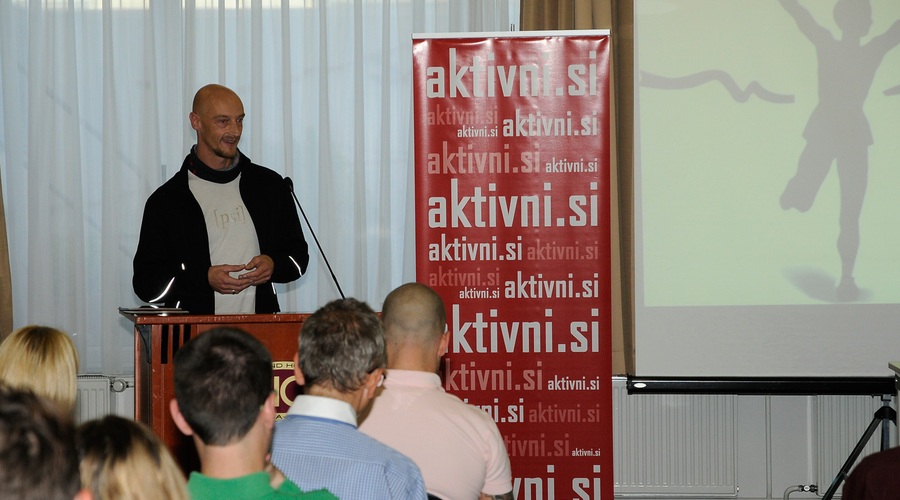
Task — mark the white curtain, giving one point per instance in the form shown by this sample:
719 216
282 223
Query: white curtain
94 99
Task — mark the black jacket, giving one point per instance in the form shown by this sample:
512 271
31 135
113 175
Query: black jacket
174 243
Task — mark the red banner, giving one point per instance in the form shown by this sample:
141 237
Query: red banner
512 230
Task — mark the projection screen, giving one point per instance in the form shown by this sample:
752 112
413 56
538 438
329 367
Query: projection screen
767 188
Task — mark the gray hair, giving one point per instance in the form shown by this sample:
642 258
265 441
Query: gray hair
340 344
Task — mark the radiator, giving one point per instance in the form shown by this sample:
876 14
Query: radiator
678 445
686 446
841 422
101 395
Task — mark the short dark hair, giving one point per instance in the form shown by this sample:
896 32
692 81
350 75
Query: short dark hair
38 458
340 344
222 379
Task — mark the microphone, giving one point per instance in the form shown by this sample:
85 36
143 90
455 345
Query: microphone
290 185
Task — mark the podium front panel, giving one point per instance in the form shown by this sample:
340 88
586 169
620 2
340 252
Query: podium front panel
157 340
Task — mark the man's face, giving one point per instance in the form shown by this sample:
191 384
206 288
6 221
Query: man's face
219 124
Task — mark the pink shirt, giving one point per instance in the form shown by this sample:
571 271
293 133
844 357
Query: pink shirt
457 446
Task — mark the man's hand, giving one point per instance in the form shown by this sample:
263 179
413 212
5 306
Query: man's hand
259 270
220 279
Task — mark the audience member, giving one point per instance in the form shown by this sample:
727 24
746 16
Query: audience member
122 459
457 446
44 360
38 459
224 401
340 361
874 477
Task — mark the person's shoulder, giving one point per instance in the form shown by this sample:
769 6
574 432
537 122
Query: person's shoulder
201 487
315 495
395 459
288 489
263 178
260 170
435 406
470 410
378 449
889 458
875 469
173 186
287 427
255 169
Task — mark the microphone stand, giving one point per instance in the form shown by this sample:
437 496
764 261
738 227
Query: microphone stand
290 184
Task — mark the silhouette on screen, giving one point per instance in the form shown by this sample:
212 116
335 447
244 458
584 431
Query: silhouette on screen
838 131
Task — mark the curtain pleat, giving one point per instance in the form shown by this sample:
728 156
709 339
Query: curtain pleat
566 14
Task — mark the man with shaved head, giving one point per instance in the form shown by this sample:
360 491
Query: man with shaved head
457 446
218 235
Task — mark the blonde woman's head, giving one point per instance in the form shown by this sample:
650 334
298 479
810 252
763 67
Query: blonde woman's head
41 359
122 459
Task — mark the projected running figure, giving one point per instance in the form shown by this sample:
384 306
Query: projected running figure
838 130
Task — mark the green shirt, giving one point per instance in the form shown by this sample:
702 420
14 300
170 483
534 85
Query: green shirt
252 486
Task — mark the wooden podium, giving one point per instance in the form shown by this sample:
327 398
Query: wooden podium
158 337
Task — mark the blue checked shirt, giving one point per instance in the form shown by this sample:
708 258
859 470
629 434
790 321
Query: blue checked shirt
317 445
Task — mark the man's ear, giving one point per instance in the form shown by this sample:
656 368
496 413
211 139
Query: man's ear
180 422
444 344
298 375
267 412
373 380
195 120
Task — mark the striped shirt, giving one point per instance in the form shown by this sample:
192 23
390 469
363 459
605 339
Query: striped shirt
317 445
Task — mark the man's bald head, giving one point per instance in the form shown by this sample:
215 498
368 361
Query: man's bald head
211 93
413 313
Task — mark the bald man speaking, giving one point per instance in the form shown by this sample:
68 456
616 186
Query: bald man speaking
219 234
